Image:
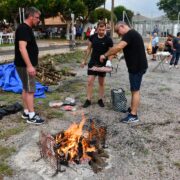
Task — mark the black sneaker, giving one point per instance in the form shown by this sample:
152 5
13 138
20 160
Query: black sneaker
87 103
100 102
130 118
35 120
25 116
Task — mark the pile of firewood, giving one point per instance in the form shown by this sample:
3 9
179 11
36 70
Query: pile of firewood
48 75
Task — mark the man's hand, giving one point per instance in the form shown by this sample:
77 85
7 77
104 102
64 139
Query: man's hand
31 71
102 58
83 64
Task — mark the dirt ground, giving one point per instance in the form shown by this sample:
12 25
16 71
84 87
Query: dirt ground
147 150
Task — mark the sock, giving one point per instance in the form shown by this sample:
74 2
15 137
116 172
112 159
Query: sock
26 111
133 115
31 114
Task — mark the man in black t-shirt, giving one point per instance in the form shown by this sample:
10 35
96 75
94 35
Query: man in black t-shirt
26 60
136 61
98 43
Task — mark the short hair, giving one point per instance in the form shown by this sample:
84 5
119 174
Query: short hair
178 34
31 11
101 24
118 24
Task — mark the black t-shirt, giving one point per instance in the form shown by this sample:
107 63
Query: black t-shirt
134 52
99 47
176 44
25 33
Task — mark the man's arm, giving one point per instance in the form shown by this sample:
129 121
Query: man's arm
22 48
114 50
87 53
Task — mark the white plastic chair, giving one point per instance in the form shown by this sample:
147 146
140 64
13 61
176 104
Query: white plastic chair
11 38
1 38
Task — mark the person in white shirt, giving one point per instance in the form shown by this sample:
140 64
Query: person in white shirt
93 30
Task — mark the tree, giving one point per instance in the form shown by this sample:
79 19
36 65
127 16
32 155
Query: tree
10 9
92 5
118 11
170 7
100 14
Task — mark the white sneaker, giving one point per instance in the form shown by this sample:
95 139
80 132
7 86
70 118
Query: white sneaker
170 66
176 66
166 62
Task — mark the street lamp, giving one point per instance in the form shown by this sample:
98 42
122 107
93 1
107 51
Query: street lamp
178 20
112 23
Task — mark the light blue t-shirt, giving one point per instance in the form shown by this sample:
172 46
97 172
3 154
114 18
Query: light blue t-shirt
155 41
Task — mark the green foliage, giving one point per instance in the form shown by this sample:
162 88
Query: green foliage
170 7
118 11
100 14
4 154
10 132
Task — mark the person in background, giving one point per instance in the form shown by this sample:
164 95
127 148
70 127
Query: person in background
136 61
168 47
99 43
93 30
26 60
88 32
155 42
176 51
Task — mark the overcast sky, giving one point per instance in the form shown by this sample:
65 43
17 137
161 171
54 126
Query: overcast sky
144 7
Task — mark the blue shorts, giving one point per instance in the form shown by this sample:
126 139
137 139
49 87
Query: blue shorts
135 80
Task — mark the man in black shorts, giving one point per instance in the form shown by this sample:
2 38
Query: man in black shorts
26 60
136 61
99 43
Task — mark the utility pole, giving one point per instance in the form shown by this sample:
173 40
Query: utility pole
112 23
178 20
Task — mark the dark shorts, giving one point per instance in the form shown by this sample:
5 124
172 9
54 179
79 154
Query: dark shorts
135 80
96 73
154 49
28 81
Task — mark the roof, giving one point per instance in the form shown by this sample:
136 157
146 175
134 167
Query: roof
57 20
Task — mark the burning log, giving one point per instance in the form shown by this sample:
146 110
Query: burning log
77 145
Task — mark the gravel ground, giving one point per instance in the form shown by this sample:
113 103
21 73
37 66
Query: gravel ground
147 150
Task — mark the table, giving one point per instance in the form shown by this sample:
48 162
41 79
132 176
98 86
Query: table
161 57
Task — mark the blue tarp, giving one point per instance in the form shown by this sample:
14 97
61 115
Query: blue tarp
10 81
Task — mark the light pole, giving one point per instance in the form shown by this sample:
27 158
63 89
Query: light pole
178 20
112 23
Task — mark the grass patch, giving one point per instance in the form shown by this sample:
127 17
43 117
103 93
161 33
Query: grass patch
4 154
54 114
4 134
177 164
145 152
162 89
9 97
74 57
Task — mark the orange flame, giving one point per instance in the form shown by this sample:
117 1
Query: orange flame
74 142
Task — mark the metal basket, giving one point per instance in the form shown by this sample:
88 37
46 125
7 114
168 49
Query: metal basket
119 101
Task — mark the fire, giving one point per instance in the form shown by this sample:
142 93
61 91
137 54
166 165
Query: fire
74 143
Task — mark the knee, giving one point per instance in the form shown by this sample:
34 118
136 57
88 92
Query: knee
90 83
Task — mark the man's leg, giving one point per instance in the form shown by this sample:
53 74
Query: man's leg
101 86
135 101
135 83
101 90
29 96
90 85
177 58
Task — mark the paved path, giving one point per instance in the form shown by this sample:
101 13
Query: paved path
7 53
